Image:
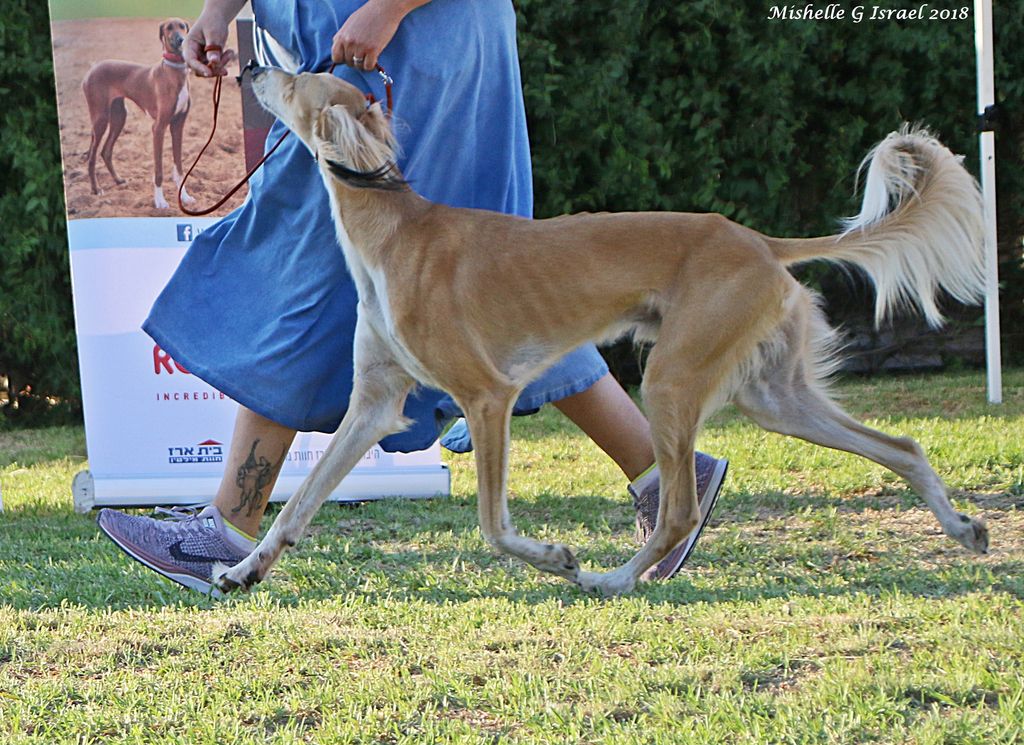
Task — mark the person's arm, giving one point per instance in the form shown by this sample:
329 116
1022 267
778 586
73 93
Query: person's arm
211 28
364 35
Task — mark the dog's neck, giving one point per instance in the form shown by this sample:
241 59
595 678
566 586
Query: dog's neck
174 60
371 218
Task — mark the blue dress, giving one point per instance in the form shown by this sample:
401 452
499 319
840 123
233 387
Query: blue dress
262 306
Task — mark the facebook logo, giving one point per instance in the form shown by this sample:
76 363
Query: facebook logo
186 232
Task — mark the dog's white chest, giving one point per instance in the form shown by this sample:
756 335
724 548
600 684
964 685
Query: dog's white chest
182 104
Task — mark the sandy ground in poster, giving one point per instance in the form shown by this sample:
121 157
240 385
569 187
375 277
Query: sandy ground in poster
78 45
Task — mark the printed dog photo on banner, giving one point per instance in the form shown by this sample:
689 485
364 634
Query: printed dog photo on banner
132 121
132 117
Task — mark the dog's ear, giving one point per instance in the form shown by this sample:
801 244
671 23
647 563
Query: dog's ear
354 153
162 31
330 126
377 124
337 125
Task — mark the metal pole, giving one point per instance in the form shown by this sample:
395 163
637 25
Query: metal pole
986 98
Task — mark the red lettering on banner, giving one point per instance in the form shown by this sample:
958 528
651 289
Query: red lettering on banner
163 360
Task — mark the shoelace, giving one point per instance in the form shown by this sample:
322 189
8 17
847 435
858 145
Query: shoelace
187 519
180 512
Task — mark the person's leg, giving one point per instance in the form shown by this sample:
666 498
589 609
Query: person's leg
187 547
258 450
609 417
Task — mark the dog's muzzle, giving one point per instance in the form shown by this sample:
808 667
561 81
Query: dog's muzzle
253 69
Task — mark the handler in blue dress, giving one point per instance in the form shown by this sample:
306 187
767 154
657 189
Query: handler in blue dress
262 306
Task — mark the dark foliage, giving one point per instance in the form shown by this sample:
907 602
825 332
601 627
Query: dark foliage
37 340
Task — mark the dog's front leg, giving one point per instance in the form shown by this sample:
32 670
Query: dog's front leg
375 411
159 127
177 131
488 417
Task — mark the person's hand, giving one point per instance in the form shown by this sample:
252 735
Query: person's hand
364 35
208 30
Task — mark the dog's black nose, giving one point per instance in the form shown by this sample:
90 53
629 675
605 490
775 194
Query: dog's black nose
253 69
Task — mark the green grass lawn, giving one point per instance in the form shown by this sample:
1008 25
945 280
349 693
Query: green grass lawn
823 605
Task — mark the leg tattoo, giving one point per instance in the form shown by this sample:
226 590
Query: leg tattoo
253 476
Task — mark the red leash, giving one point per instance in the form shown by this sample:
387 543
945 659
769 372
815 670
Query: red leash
388 83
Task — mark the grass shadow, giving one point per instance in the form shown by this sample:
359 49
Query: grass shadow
368 559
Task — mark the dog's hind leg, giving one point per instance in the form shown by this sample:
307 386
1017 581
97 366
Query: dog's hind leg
100 120
689 371
787 401
375 411
488 418
118 116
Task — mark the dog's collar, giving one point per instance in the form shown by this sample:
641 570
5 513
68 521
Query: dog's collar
174 60
378 178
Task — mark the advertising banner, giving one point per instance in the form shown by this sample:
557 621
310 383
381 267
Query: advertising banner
155 433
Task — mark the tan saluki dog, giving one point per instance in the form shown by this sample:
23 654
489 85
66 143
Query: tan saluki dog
161 90
478 304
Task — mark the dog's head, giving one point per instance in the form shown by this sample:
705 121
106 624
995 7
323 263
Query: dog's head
172 34
350 138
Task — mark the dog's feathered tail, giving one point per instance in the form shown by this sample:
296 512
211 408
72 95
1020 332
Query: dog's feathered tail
920 228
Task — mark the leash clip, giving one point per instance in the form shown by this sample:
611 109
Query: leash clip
388 83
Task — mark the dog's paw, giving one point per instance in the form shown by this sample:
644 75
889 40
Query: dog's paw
606 585
589 582
973 534
558 559
239 577
159 201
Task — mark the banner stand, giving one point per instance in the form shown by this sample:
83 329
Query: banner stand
409 483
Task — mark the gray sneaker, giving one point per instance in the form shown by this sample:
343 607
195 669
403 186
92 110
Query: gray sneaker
184 548
710 475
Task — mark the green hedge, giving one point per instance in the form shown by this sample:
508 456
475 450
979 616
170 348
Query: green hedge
699 105
37 340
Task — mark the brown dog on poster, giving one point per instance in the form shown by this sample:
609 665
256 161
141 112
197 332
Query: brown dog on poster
161 90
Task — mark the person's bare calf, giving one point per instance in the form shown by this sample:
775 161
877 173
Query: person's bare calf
258 449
